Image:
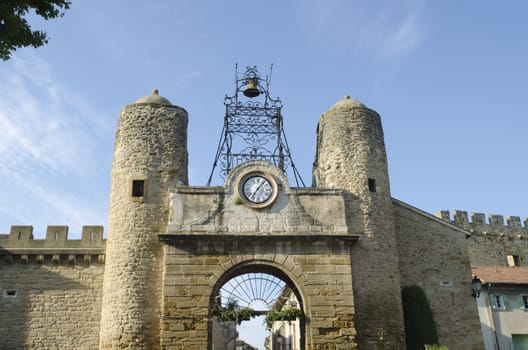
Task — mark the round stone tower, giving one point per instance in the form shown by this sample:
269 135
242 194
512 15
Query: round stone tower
351 155
150 157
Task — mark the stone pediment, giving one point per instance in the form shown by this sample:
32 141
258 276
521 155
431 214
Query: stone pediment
228 210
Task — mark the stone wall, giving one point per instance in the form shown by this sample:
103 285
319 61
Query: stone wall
433 256
51 289
492 240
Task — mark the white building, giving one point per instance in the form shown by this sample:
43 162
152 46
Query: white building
285 335
503 307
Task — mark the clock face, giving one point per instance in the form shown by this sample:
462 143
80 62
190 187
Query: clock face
257 189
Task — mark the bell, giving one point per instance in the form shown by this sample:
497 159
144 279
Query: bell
251 88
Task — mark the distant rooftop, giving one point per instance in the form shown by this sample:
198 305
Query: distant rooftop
500 274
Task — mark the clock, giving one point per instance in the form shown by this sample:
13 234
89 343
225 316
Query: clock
258 189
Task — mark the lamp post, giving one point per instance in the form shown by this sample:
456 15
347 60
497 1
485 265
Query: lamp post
476 286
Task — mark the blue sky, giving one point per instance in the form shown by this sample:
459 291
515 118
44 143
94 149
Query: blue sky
449 78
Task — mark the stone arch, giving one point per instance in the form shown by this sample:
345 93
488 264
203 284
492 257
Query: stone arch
286 272
258 265
318 268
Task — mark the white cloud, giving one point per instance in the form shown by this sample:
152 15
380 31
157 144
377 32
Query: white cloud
50 149
403 35
188 75
64 205
39 122
384 30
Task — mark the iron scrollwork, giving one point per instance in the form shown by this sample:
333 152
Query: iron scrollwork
252 126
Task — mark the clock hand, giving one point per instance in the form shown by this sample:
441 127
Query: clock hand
256 191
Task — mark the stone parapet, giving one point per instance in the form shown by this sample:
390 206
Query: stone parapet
493 242
494 225
312 211
21 247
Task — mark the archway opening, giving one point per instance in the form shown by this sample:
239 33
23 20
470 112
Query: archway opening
257 309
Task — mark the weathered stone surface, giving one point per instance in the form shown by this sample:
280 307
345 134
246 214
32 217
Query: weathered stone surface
210 210
55 305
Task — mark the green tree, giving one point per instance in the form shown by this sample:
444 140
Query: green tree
420 328
16 32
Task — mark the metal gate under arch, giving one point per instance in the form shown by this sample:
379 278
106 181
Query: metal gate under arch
257 289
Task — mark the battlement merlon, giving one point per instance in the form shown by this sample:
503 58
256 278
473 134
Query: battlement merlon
20 241
495 224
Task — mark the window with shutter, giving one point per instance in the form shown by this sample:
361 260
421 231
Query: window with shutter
492 301
523 301
506 302
499 301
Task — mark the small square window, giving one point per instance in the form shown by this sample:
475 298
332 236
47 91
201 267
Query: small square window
513 260
372 185
138 188
10 293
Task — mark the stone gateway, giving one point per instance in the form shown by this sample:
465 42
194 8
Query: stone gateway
342 250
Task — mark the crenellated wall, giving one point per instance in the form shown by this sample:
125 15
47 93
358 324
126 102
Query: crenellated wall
21 247
493 239
51 289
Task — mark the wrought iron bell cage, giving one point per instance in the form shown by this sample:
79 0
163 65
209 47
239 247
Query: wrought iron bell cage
253 127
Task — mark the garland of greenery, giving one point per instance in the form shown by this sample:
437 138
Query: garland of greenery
233 314
236 315
287 314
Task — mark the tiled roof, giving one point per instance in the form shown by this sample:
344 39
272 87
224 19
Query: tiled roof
501 274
